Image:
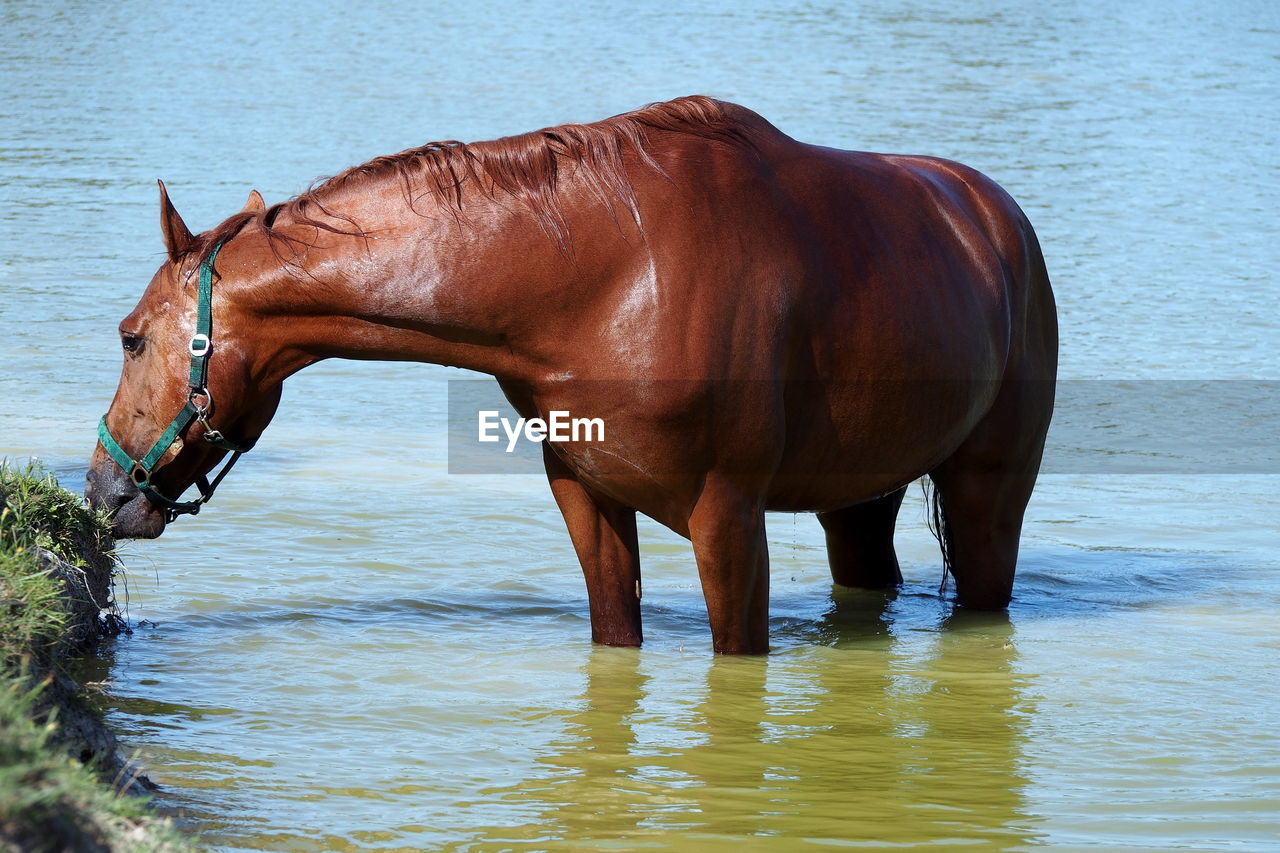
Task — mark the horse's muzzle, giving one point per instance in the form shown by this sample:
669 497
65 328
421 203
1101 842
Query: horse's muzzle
132 516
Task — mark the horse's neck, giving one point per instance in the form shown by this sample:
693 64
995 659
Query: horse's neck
433 288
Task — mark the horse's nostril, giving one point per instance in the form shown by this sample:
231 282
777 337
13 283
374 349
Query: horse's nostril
91 491
107 492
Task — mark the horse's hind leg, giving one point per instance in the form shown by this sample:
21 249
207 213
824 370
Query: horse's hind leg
984 488
604 537
860 543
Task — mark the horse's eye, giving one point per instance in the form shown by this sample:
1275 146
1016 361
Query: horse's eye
131 343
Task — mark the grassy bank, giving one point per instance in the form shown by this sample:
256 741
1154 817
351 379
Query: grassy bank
61 778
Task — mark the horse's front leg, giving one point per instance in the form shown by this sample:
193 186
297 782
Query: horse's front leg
604 536
727 529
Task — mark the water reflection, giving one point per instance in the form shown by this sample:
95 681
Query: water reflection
886 735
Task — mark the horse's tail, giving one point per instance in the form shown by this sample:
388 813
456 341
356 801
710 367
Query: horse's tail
937 517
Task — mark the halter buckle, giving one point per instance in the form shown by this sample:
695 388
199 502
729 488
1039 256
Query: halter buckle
172 514
139 475
200 346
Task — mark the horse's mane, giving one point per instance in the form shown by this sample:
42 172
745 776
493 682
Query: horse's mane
527 167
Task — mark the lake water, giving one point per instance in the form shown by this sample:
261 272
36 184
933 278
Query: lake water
353 649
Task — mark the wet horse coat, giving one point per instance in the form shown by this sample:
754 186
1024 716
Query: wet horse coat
761 323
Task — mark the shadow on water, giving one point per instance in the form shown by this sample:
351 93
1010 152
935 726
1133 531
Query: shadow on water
878 735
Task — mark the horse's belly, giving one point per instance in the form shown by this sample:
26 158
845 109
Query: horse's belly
823 492
857 443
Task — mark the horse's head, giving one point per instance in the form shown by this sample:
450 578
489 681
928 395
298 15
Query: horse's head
191 391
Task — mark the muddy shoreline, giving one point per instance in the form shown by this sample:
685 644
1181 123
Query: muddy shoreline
66 784
80 729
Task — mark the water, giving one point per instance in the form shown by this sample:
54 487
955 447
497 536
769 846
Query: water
353 649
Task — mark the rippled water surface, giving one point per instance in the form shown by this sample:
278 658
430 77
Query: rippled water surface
353 649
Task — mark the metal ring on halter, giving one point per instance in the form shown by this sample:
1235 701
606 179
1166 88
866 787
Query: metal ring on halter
138 469
204 411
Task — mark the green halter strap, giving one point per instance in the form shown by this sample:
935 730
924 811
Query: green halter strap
201 346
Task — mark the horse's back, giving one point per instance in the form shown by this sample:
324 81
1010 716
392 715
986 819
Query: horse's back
876 245
903 291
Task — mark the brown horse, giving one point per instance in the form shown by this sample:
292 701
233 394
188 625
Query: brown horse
762 325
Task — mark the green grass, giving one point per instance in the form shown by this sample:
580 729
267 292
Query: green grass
39 512
48 801
36 513
32 620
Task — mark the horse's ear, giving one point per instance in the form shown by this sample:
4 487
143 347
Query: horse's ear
177 236
255 204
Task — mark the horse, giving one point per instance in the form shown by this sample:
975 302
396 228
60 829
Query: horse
762 324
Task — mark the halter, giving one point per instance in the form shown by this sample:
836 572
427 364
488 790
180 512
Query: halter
201 346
